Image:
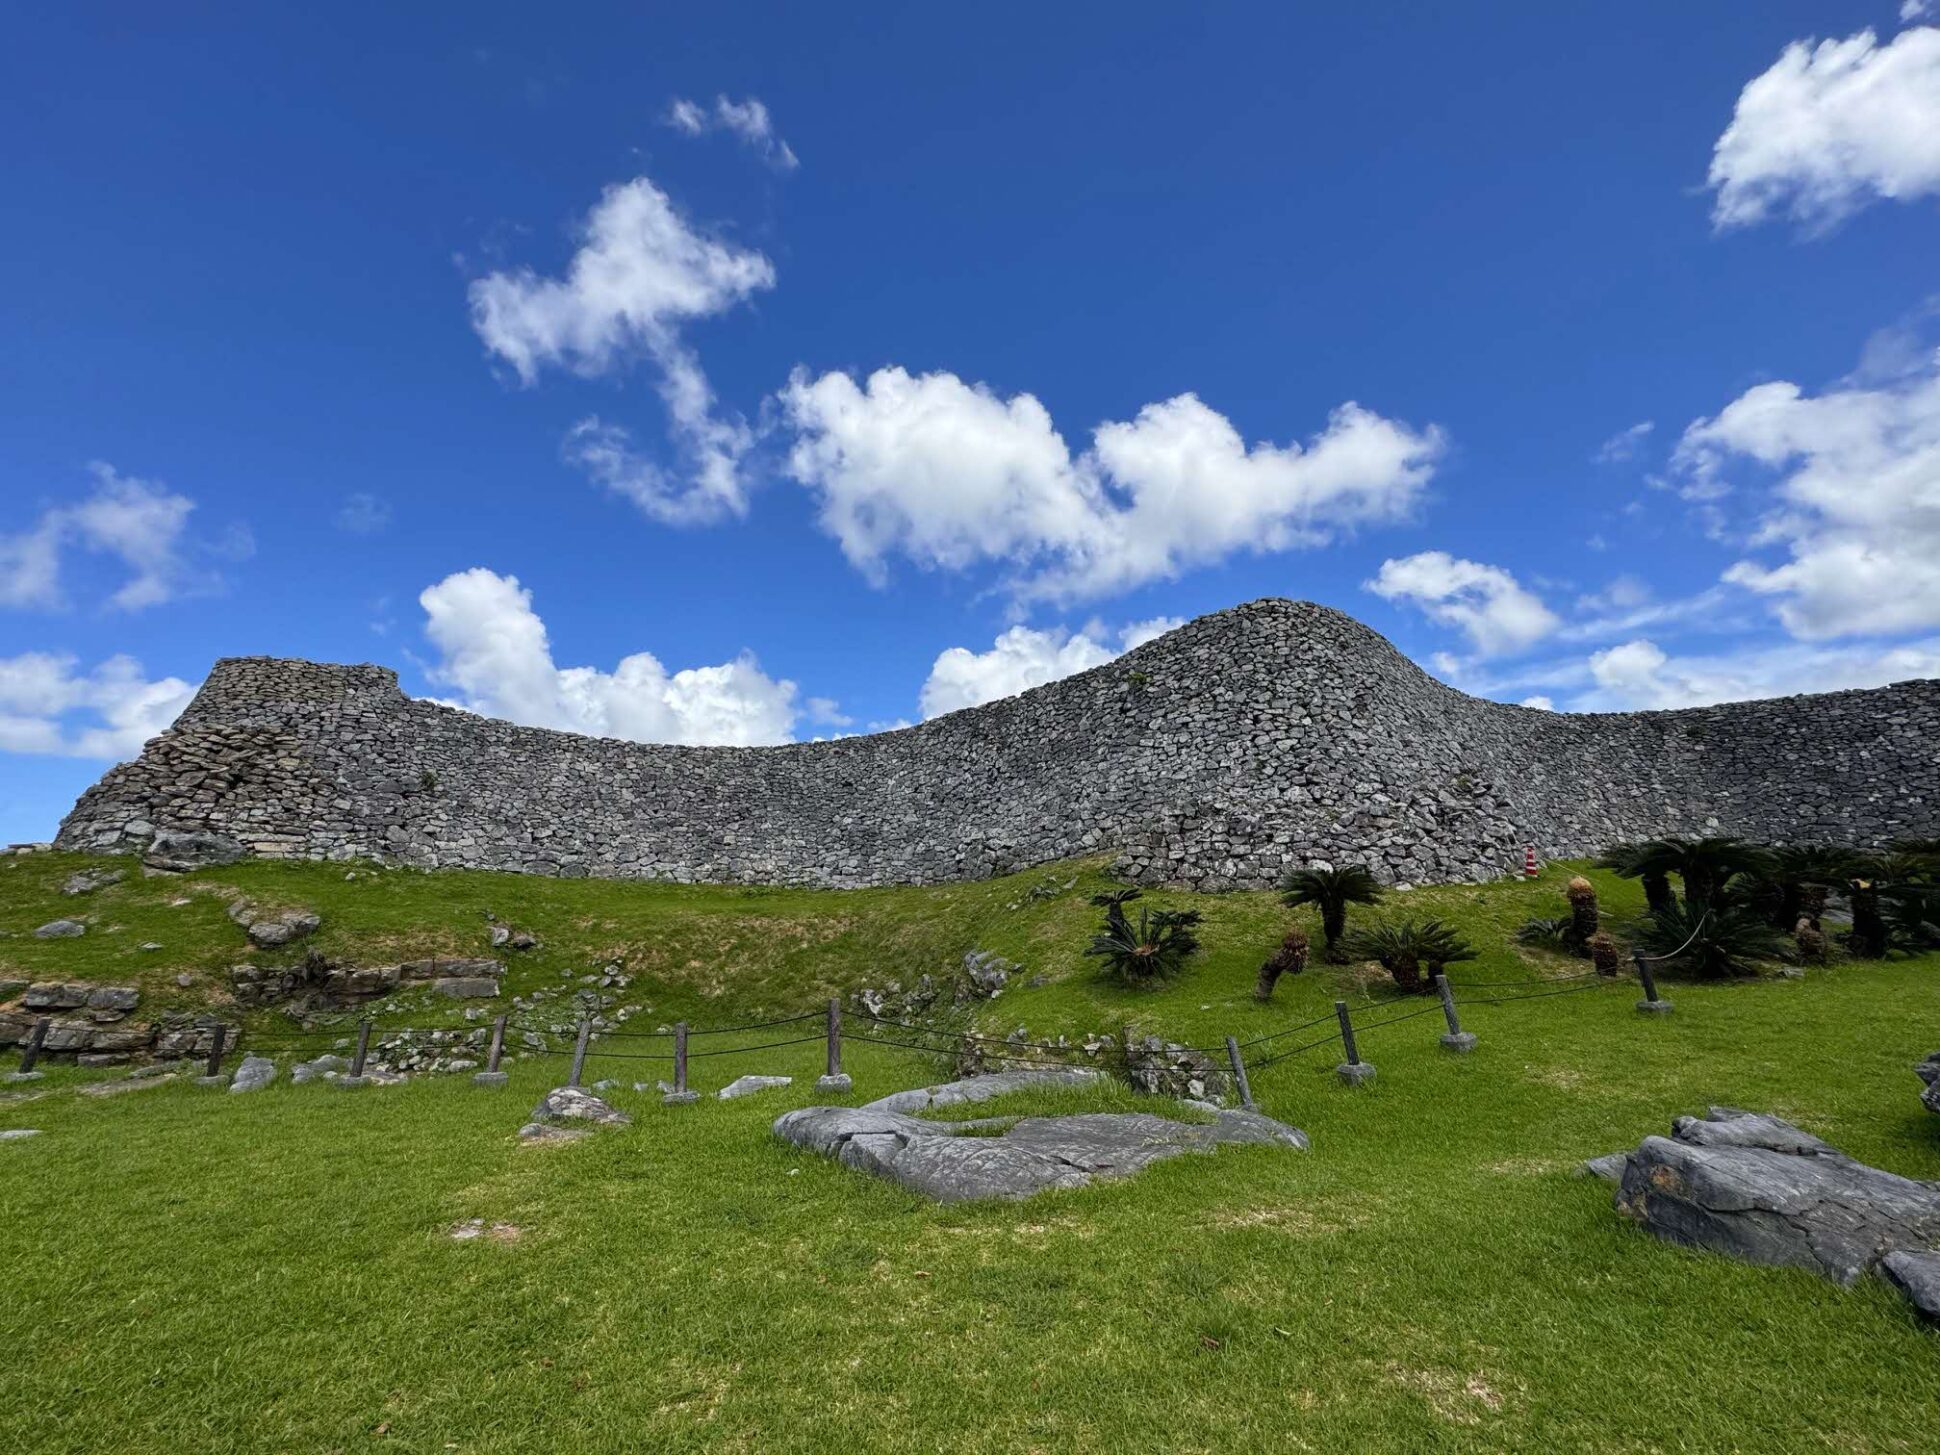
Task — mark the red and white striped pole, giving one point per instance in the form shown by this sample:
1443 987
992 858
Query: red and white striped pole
1529 870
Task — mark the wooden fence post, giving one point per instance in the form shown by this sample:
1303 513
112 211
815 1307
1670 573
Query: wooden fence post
1459 1041
31 1053
1353 1071
834 1079
1239 1073
491 1075
216 1046
1652 1003
680 1095
579 1051
357 1058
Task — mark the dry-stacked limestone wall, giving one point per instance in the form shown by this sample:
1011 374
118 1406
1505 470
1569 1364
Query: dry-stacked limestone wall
1273 733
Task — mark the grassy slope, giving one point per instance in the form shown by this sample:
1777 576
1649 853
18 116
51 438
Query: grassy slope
188 1270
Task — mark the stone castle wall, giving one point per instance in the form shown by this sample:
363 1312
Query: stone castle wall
1270 734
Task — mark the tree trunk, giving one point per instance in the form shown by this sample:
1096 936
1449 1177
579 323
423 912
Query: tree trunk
1333 922
1269 977
1657 892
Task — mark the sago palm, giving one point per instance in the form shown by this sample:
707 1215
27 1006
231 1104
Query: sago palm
1330 891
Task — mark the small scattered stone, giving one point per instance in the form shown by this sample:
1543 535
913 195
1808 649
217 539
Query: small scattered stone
1460 1042
60 929
13 1076
89 880
1355 1073
840 1082
18 1134
1916 1273
491 1078
572 1104
1609 1167
1929 1072
253 1074
269 933
749 1085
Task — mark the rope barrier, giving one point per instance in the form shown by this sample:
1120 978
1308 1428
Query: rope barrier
1274 1036
1396 1019
1297 1050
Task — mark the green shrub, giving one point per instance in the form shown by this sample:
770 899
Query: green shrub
1412 951
1146 951
1711 942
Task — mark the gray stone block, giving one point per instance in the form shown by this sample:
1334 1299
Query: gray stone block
491 1078
679 1098
1355 1073
1654 1007
1460 1042
841 1082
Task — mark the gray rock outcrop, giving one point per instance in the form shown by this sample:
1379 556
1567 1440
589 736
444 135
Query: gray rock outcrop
89 880
253 1074
1011 1157
1761 1190
1929 1072
60 929
1269 735
568 1104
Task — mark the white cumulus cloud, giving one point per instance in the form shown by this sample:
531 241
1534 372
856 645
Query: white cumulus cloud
748 120
1857 498
1495 610
1025 657
142 524
1831 127
47 705
641 272
1641 674
949 474
494 651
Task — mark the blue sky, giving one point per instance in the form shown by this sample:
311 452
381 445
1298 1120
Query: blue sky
740 373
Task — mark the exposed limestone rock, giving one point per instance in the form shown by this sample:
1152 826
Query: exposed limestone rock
749 1085
269 932
178 851
89 880
1761 1190
571 1104
961 1161
1269 735
1929 1072
254 1074
60 929
1917 1275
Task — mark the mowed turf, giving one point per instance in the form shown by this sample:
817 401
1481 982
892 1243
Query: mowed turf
190 1270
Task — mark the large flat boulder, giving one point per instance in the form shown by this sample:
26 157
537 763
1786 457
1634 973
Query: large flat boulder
1761 1190
1011 1157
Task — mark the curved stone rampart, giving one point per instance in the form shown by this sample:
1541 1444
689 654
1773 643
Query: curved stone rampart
1273 733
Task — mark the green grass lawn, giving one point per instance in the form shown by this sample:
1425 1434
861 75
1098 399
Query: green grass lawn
190 1270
